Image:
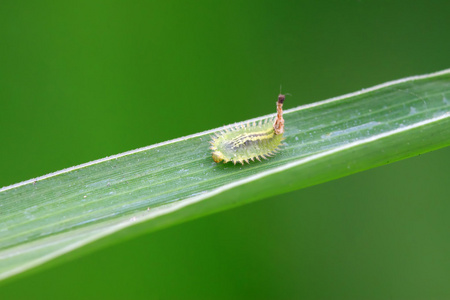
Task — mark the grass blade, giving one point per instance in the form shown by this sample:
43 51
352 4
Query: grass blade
168 183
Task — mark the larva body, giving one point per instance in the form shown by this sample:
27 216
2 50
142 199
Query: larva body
250 141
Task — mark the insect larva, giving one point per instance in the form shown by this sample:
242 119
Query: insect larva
250 141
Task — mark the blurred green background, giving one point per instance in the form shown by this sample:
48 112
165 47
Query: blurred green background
84 80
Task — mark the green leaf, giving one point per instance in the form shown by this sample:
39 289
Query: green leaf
104 201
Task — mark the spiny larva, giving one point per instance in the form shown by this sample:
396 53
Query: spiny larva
250 141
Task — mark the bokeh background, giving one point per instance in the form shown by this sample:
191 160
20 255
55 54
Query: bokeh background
81 80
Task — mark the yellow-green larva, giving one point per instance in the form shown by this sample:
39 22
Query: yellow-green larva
250 141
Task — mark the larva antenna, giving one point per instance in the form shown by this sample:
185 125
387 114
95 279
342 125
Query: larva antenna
287 94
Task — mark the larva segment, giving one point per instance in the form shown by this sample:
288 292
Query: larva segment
249 141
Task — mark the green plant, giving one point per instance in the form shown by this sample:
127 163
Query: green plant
104 201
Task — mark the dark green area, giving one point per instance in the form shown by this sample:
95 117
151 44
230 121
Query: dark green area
94 78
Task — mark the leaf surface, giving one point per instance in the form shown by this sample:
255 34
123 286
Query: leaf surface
107 200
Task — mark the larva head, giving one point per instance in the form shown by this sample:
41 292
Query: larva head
278 126
217 156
